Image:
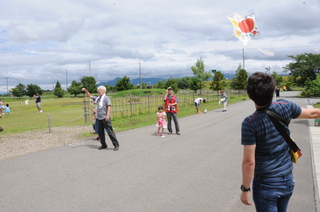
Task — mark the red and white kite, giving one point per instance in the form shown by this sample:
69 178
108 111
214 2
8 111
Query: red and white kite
244 27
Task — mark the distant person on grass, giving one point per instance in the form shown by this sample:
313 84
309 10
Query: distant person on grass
161 120
38 102
197 103
266 157
171 106
103 110
7 110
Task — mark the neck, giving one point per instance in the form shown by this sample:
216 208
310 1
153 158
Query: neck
259 107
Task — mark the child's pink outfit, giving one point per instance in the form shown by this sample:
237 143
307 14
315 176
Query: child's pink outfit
161 121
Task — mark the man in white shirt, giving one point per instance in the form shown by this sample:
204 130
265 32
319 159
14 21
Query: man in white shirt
197 103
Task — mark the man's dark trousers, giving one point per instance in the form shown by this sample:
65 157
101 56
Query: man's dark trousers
103 124
175 119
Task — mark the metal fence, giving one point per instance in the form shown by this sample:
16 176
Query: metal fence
133 105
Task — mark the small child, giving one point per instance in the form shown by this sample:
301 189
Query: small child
161 120
7 111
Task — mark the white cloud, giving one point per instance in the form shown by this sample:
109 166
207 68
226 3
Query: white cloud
39 40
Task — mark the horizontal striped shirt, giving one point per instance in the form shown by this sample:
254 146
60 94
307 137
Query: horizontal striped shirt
272 156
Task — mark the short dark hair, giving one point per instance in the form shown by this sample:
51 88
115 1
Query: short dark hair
204 101
260 88
160 108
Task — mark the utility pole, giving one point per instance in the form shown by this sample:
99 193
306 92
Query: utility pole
268 70
140 76
243 59
7 86
67 81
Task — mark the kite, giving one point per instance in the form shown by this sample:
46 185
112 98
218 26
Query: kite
245 28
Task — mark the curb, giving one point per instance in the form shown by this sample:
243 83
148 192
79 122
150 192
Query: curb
314 133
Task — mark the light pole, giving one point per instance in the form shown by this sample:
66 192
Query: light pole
7 78
268 70
140 76
243 59
67 81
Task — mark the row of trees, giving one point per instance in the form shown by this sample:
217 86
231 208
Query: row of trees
193 83
303 71
29 90
74 89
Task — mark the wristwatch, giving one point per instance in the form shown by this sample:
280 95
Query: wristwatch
244 188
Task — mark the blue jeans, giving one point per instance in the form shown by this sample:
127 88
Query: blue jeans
272 194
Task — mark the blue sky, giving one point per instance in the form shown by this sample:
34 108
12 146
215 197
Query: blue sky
40 40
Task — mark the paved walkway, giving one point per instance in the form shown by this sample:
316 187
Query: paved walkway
197 171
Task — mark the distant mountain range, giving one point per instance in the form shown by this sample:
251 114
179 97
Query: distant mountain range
148 81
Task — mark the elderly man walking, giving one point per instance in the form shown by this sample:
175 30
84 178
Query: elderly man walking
103 109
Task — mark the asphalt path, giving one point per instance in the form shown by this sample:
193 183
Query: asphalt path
200 170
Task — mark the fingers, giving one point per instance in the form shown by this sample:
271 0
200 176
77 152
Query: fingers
246 202
245 198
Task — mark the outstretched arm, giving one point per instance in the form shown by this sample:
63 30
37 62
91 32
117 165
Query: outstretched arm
87 93
309 113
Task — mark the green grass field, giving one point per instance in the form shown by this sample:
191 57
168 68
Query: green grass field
68 111
24 117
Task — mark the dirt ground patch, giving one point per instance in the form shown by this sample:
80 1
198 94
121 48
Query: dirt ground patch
16 144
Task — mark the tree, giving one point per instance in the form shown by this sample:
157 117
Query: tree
124 84
32 89
184 82
58 85
195 84
161 84
19 90
75 88
89 83
108 87
240 81
305 66
15 92
312 87
144 85
218 81
58 91
199 72
277 78
173 84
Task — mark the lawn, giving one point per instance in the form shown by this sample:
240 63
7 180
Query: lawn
68 111
63 112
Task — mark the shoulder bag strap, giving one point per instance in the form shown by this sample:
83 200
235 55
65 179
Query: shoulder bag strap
276 119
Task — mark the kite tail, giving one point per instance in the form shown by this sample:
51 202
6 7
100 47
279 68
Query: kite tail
269 53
